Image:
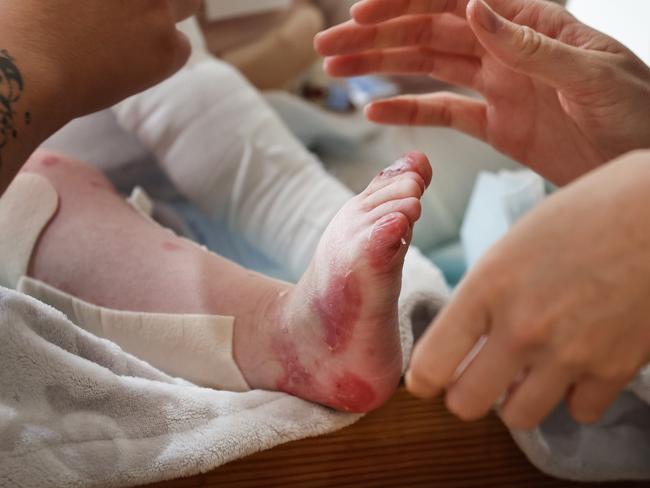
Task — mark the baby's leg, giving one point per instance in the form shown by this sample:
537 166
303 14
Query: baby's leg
332 339
227 151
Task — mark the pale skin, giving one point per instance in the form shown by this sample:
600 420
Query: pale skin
333 338
563 299
77 57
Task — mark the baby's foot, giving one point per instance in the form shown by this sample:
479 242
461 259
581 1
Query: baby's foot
334 338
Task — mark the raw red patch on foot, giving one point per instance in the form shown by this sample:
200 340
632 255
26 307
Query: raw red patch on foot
339 308
295 380
352 394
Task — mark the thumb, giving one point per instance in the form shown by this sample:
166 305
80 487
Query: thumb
525 50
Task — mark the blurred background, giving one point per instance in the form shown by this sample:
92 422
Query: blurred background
476 194
270 41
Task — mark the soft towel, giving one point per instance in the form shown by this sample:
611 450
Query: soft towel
615 448
75 410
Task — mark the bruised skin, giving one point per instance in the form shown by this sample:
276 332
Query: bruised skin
333 338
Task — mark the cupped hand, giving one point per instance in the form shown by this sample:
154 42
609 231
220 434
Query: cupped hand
93 53
561 303
558 96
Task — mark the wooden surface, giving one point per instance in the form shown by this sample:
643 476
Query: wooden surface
406 443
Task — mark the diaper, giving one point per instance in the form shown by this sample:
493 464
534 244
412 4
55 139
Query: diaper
197 348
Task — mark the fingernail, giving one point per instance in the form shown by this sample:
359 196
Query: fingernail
327 64
354 9
417 388
487 17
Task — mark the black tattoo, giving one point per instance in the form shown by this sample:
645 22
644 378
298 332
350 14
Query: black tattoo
11 89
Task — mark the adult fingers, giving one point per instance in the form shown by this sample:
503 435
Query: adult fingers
447 343
445 33
590 399
441 109
183 9
527 51
373 11
451 68
484 380
534 398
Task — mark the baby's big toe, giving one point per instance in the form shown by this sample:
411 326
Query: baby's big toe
408 177
414 162
419 163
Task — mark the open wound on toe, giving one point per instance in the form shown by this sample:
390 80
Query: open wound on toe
398 167
415 162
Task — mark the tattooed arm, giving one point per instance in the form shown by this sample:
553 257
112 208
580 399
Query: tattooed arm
11 89
25 120
58 63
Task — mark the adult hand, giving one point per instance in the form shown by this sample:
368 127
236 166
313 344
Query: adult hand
559 96
562 301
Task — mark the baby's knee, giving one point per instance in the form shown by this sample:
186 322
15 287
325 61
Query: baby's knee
43 161
64 171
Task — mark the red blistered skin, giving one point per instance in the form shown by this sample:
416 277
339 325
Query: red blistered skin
346 392
171 246
387 240
296 380
49 161
353 394
416 162
339 308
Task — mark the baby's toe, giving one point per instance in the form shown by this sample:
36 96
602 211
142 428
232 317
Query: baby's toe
408 185
389 239
410 207
415 165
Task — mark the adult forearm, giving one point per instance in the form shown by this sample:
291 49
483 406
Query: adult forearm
31 108
60 62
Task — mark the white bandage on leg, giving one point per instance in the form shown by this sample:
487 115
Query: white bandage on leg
26 207
197 348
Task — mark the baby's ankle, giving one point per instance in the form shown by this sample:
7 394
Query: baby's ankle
255 333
